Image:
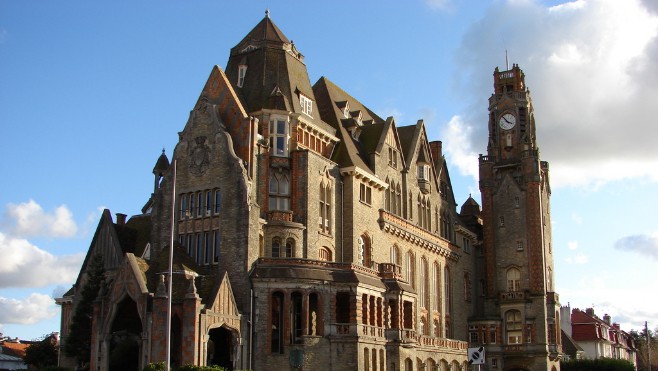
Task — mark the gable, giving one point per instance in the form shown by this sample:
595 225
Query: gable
223 310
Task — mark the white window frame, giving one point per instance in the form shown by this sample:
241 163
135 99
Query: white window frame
307 104
279 136
242 72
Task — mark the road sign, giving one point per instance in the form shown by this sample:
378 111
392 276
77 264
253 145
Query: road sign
476 356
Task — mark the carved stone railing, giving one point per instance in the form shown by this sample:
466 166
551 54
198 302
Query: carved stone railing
510 296
401 228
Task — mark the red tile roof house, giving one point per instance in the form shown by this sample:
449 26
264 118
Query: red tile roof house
600 338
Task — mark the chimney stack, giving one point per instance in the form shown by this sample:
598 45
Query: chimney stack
436 148
121 219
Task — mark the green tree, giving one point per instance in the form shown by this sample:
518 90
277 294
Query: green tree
42 353
78 342
640 339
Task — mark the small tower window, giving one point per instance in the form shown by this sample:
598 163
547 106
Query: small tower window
242 72
279 136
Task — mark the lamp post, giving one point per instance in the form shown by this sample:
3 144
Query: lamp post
169 272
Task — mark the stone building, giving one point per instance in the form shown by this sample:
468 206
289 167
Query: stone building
311 233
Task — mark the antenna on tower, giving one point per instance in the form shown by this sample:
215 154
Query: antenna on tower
506 61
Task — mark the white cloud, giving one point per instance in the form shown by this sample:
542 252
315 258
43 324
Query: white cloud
459 148
578 259
572 245
642 244
438 4
26 265
27 311
594 80
28 219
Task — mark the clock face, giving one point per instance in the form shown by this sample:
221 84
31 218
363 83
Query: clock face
507 121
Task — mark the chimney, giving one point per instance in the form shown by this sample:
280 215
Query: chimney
436 148
590 311
121 219
606 318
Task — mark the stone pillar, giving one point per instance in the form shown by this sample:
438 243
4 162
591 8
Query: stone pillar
190 327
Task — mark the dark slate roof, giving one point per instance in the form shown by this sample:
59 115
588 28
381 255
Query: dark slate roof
141 227
276 74
406 135
161 165
350 152
569 346
470 207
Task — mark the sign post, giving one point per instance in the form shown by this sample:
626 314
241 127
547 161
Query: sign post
476 356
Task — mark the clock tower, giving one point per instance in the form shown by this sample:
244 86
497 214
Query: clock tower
518 318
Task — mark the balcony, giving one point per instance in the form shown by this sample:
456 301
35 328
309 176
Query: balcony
425 186
512 296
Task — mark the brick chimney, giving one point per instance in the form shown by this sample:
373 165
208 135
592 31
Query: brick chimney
121 219
606 318
590 311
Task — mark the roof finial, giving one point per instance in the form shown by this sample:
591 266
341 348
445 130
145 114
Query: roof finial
267 12
163 150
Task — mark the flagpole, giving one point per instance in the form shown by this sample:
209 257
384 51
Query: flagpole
169 273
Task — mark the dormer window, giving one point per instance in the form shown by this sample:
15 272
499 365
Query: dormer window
359 117
307 104
423 171
242 72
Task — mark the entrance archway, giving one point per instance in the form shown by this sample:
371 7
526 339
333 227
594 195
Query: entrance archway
125 337
221 347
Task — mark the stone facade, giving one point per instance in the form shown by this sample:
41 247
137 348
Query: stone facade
310 233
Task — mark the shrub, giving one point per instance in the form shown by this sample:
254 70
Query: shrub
600 364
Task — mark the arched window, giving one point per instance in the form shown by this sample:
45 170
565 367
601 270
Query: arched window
296 329
410 269
325 254
398 200
436 285
276 247
366 359
513 279
365 253
447 290
411 206
423 325
290 248
279 188
513 327
424 283
396 258
387 196
325 207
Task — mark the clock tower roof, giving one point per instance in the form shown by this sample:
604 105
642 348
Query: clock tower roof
510 80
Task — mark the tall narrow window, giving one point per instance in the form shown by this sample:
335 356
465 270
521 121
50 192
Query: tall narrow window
424 283
513 279
410 269
396 258
276 341
242 72
279 192
290 248
365 194
208 203
276 248
199 210
365 257
215 246
217 201
513 327
206 246
296 318
183 206
325 207
447 291
436 285
199 251
279 136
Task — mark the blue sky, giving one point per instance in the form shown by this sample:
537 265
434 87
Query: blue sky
91 92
